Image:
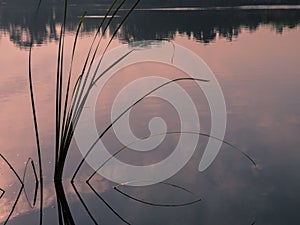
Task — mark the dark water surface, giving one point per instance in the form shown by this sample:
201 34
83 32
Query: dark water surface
254 54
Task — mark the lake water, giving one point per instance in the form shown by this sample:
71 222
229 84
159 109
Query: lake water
254 53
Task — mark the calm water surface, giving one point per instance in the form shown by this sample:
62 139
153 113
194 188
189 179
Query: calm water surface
254 54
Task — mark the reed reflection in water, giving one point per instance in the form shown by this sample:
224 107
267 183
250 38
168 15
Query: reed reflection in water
255 57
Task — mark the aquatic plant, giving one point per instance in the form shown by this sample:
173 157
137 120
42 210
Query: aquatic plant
70 101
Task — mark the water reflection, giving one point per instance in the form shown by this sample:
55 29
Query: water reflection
261 88
201 25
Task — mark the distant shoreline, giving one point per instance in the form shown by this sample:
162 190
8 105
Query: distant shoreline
175 4
242 7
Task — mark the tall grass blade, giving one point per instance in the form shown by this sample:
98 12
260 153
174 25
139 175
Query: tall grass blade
78 102
59 80
66 136
69 78
36 132
62 136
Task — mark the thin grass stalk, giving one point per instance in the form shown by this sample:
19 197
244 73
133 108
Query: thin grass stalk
112 65
79 80
57 100
59 79
71 131
65 108
70 71
111 39
36 132
70 135
79 108
63 145
68 122
65 129
35 121
78 102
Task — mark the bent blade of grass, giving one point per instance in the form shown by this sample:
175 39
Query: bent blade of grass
168 133
111 39
76 100
112 65
70 132
36 182
20 191
80 98
125 111
159 204
173 185
94 79
75 120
